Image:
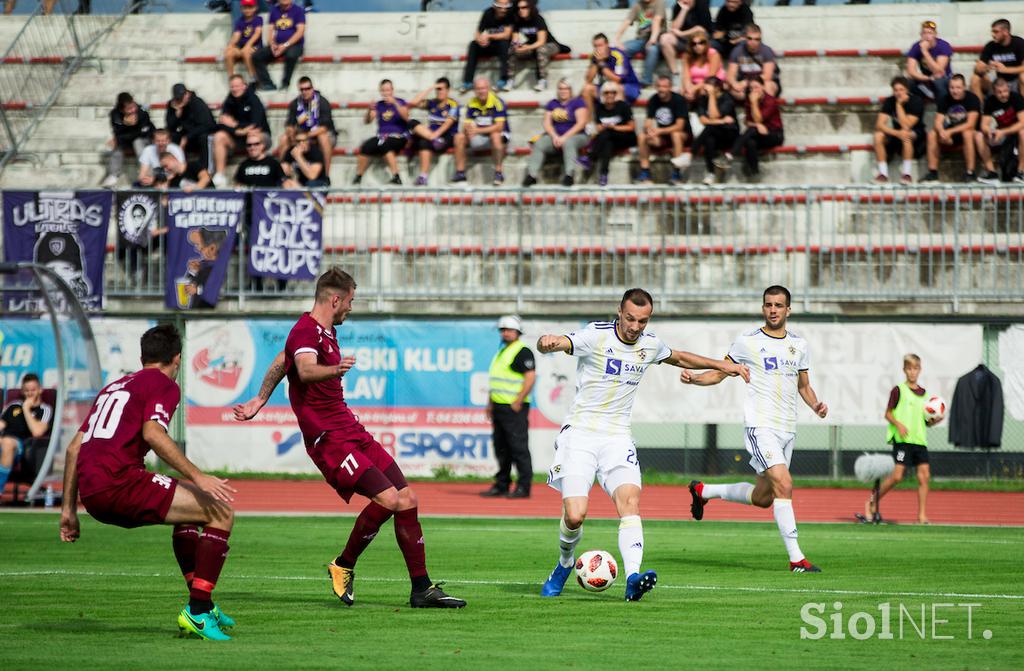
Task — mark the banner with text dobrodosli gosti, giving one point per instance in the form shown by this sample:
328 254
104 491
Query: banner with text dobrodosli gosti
421 386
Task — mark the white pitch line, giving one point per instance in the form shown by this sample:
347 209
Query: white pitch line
710 588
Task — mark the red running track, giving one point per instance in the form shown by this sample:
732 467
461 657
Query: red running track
659 502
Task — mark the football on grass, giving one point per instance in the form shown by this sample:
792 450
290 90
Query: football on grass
935 408
596 570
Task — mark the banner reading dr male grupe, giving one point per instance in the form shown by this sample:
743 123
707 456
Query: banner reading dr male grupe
200 238
64 231
285 236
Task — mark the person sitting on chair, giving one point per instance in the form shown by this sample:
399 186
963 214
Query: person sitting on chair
25 419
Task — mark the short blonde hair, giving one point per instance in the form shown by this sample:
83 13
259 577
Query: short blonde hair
911 359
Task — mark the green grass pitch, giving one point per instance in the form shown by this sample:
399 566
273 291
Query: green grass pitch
724 599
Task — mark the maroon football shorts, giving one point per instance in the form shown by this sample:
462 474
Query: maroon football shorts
345 456
136 498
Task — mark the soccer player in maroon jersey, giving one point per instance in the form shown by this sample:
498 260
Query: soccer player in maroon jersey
351 460
105 464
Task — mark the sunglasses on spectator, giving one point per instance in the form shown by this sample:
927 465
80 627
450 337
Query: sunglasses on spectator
608 93
697 43
253 144
305 88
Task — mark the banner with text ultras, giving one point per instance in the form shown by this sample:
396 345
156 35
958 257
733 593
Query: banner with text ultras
66 231
419 386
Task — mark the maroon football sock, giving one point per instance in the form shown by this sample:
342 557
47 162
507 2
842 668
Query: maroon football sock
211 551
365 530
409 534
184 540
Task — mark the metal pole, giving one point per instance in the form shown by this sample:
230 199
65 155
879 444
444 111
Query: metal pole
834 452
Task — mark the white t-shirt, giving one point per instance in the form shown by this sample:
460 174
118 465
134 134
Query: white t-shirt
607 375
775 365
151 157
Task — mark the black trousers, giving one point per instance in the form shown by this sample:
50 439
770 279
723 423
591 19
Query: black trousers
607 144
264 55
752 142
512 445
712 139
497 48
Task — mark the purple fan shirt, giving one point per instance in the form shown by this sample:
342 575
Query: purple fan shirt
563 115
389 121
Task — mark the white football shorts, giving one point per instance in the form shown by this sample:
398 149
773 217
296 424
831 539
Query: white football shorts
768 447
581 456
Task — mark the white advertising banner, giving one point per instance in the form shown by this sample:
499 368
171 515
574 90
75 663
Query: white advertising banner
420 386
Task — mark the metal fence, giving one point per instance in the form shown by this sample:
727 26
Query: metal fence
686 245
41 58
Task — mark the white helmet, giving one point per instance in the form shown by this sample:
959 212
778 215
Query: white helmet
511 322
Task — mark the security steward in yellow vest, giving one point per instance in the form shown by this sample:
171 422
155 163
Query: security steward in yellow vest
512 376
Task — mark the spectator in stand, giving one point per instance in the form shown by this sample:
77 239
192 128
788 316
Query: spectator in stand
486 126
1002 58
753 58
392 116
188 176
23 420
732 18
928 64
666 127
260 170
309 116
614 129
956 122
1002 129
287 27
649 17
306 165
716 110
492 38
151 173
565 117
699 62
132 130
191 123
531 41
241 114
899 129
608 64
246 38
688 17
764 129
437 135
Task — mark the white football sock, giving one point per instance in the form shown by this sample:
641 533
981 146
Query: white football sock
784 517
883 168
567 540
738 492
631 543
907 167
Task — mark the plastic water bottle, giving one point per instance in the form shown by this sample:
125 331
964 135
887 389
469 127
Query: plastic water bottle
48 496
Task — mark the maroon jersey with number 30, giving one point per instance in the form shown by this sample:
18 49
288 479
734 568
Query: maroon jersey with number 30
112 434
319 406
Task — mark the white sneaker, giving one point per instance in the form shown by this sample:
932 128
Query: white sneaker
109 182
220 181
709 179
683 161
541 85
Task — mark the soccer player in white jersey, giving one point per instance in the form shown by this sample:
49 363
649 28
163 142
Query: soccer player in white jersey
595 439
779 362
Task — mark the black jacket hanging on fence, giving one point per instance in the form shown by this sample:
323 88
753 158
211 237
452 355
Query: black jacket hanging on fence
976 416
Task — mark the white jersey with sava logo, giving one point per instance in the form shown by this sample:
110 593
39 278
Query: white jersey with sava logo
775 365
607 374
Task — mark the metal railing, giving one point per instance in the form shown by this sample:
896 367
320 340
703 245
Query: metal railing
691 245
41 58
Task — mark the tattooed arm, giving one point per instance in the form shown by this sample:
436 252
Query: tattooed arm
249 409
